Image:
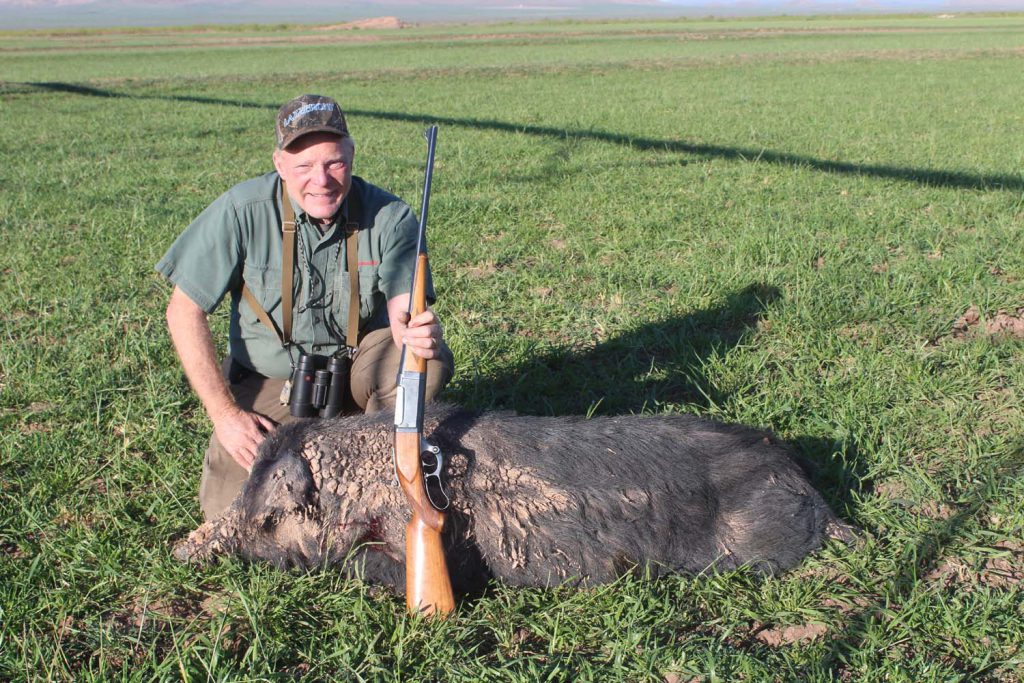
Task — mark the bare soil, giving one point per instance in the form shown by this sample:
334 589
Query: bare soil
1001 325
374 24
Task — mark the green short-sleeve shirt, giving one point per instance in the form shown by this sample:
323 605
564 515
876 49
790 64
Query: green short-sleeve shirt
238 239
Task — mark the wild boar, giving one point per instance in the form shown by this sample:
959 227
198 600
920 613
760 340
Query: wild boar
535 501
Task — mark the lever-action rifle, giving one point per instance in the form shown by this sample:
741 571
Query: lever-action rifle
428 587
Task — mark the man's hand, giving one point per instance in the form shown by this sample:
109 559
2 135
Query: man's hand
241 433
422 335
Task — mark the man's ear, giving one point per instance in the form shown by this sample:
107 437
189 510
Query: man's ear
277 161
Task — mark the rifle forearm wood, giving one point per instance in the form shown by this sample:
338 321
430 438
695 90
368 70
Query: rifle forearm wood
419 304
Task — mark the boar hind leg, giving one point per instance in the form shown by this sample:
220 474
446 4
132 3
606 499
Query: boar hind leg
772 526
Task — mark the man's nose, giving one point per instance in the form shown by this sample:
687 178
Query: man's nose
320 175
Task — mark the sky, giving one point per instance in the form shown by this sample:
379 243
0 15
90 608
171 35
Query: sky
17 14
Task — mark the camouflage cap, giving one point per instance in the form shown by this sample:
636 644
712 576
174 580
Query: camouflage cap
309 114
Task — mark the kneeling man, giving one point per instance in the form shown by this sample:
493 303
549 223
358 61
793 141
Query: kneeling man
318 264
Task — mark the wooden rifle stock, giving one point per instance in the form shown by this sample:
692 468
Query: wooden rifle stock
428 587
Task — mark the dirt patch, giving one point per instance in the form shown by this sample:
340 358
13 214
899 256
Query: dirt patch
34 428
374 24
480 271
861 332
777 636
1002 568
671 677
892 489
216 604
1004 324
897 493
157 612
854 603
12 550
937 510
1001 573
541 292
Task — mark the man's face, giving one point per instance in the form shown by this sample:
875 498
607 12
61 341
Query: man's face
317 169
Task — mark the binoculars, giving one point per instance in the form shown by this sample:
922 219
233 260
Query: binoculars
319 385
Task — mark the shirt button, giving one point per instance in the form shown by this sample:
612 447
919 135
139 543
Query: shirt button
316 318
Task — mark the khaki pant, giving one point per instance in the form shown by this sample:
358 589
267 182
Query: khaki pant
372 384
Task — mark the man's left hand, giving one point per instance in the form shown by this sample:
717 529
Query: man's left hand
422 334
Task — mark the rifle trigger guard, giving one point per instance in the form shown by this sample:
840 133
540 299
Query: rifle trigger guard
435 462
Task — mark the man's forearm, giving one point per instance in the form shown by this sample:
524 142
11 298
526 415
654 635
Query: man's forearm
190 334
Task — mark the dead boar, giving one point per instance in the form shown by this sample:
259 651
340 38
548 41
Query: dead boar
535 501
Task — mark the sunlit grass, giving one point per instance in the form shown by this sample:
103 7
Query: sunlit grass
771 229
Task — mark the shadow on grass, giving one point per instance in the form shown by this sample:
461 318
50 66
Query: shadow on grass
922 176
652 365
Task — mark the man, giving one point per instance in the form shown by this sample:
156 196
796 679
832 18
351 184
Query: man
237 246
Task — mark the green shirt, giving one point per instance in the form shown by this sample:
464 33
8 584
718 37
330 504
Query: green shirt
238 239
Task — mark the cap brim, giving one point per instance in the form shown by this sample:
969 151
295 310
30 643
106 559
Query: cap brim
288 140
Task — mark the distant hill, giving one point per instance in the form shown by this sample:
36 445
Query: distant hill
16 14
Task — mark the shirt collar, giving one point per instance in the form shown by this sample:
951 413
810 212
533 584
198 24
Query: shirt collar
340 218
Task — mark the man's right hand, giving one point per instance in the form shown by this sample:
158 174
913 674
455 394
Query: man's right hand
241 433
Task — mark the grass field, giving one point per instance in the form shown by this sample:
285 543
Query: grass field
811 225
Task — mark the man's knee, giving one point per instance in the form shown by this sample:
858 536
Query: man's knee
374 376
439 372
221 481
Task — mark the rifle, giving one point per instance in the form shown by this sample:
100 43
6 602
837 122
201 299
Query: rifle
428 587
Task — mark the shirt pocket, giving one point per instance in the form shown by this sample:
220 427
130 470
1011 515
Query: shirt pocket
369 293
265 284
369 290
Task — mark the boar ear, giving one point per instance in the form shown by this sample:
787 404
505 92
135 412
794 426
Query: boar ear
278 484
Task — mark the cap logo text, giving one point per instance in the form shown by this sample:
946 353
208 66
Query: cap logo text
307 108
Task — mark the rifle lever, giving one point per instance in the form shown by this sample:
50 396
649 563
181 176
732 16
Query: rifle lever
432 463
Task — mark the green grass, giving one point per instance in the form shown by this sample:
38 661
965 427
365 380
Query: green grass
233 52
771 227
